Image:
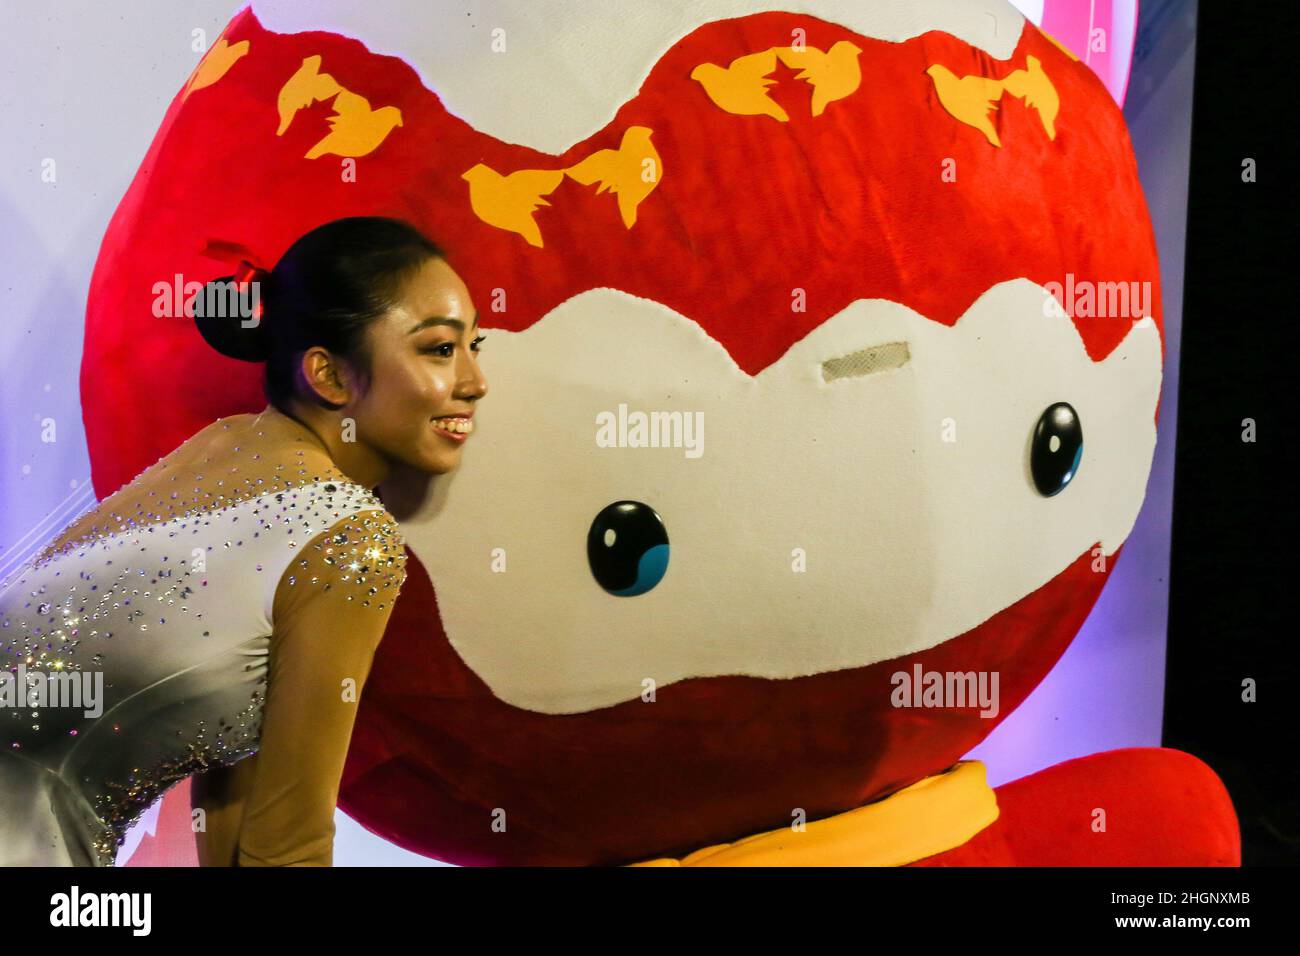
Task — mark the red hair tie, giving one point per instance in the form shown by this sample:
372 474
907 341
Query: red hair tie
244 261
247 272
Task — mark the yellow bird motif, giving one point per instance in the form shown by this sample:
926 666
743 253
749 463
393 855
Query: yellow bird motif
1033 86
969 99
741 88
508 202
214 65
355 129
302 89
632 171
833 74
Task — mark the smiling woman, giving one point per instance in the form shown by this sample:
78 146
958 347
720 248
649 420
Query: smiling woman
232 595
363 315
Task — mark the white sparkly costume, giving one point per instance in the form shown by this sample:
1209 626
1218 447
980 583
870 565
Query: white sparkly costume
212 608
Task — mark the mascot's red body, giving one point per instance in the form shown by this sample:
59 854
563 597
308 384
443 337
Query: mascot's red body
884 184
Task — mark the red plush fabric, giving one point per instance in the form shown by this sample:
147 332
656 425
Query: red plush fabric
1162 808
846 205
435 745
171 841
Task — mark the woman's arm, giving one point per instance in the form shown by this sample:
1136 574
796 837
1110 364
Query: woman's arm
221 792
330 612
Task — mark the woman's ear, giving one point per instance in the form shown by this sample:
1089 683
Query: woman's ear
327 376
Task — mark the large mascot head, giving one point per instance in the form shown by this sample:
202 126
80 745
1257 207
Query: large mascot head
823 346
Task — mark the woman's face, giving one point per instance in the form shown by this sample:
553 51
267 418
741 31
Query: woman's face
425 381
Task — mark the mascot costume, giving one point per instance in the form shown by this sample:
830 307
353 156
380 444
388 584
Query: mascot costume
804 417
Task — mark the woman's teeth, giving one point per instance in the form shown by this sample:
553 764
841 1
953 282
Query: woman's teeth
460 426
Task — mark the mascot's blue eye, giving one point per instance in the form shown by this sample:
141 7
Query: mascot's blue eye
1056 449
627 548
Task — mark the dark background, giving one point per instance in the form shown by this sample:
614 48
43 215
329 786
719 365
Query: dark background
1233 590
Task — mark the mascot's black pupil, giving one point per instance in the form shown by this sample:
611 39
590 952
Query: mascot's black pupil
1056 449
627 548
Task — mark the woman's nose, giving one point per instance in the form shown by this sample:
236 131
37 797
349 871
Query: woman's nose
475 385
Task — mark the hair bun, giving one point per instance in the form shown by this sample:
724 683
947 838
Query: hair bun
230 313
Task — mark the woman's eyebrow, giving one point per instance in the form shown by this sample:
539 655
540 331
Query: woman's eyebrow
441 320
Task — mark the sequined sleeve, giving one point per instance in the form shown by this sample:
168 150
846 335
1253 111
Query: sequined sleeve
330 611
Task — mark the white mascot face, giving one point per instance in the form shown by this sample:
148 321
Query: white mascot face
812 527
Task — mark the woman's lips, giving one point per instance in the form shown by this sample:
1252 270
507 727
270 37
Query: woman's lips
444 427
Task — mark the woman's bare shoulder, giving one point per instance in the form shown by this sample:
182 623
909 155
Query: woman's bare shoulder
227 461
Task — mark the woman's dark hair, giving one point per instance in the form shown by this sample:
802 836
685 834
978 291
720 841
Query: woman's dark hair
326 290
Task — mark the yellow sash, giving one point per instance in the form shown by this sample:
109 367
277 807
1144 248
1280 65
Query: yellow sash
929 817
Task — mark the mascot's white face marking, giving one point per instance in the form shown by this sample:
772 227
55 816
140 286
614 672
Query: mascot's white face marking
455 47
910 539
